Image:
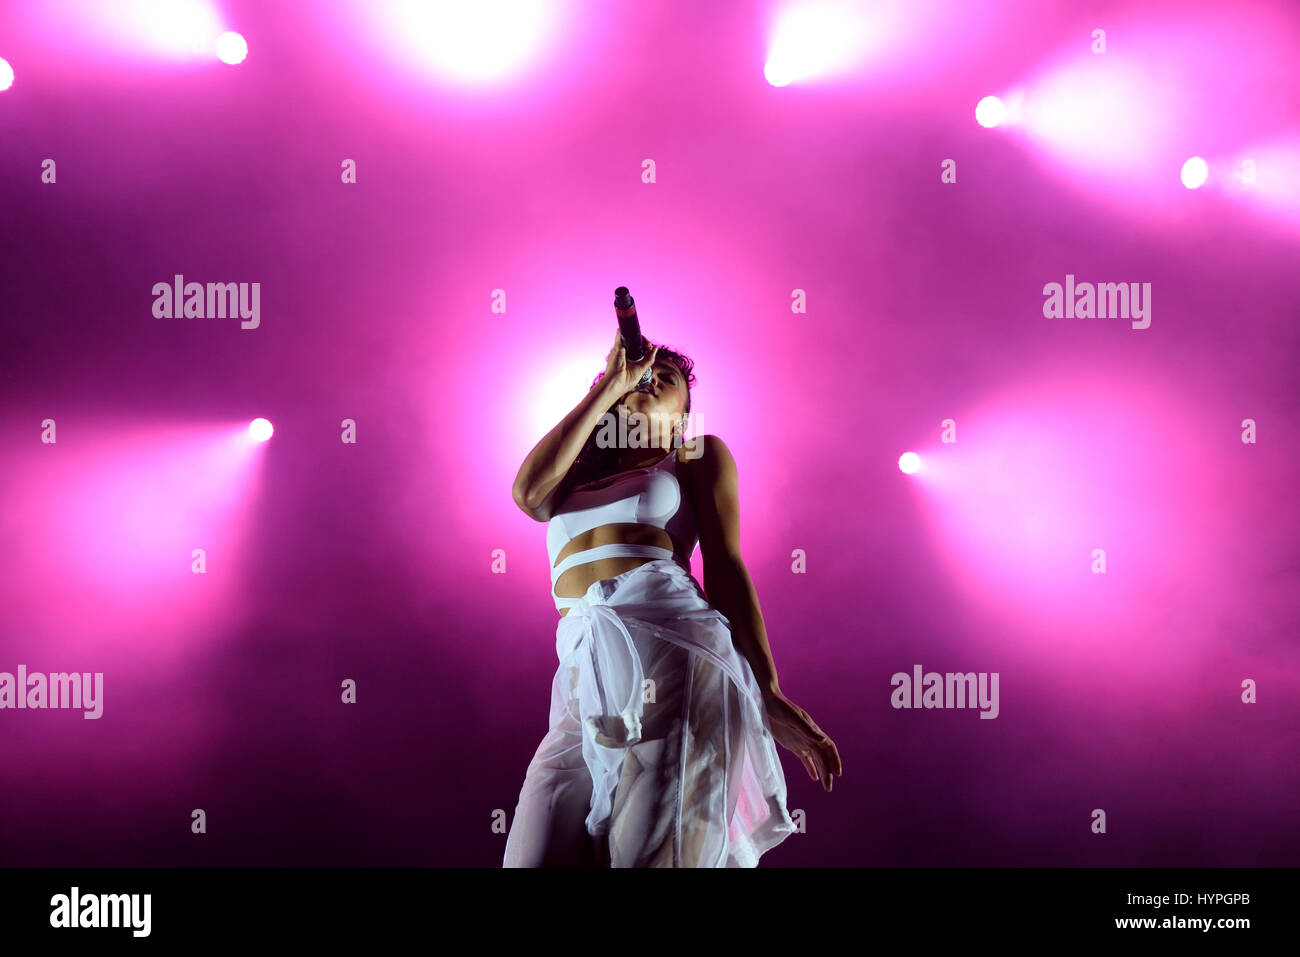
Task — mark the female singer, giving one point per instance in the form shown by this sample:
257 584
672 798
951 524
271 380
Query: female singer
665 706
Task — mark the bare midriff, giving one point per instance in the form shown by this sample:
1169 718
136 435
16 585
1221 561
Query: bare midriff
574 582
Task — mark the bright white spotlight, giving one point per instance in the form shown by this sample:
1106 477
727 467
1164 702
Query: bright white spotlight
813 39
175 27
776 73
231 48
1195 172
6 75
473 42
260 430
909 462
989 112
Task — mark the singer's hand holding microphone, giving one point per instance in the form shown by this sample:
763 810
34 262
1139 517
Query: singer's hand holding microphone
624 374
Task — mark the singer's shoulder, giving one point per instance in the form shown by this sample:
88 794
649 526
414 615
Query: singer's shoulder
706 455
710 482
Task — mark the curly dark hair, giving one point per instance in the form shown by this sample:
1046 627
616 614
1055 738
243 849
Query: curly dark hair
594 462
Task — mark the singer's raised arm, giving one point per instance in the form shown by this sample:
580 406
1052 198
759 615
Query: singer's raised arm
548 463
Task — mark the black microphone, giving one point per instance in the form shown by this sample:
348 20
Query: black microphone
630 329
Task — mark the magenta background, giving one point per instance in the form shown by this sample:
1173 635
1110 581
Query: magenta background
329 561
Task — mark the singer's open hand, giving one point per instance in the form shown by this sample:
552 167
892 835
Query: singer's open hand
794 728
626 374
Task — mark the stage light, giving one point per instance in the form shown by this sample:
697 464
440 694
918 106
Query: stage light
6 75
182 30
1195 172
909 463
175 27
260 430
476 42
989 112
777 74
813 40
231 48
1104 115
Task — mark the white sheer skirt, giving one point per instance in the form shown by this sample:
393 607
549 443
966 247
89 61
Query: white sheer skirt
659 752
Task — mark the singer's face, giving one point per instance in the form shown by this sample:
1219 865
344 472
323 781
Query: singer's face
664 395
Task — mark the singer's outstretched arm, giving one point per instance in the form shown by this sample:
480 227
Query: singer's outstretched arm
713 486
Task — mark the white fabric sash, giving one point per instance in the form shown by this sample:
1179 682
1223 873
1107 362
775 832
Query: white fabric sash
661 597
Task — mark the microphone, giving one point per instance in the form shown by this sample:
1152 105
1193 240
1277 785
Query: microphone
630 328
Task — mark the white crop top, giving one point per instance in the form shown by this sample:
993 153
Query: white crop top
644 496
